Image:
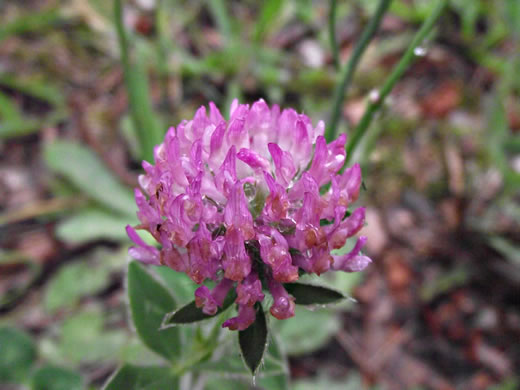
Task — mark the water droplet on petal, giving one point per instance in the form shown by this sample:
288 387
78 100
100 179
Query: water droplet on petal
420 51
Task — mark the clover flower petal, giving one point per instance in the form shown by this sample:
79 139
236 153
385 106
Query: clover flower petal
249 203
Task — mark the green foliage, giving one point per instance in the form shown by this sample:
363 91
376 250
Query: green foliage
307 330
85 340
30 22
17 359
508 384
218 9
17 259
35 87
275 357
72 282
81 278
507 248
142 378
351 66
14 122
235 366
191 313
444 283
180 285
135 352
253 341
18 353
499 136
149 300
83 169
8 110
268 13
306 294
409 56
146 122
56 378
93 224
219 383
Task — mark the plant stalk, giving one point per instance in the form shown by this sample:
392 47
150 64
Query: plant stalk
332 34
349 69
409 56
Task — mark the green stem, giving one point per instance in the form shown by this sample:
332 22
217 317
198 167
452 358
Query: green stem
220 14
164 48
350 67
147 124
332 33
409 56
121 35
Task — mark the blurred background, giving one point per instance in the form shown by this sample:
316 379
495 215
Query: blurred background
81 106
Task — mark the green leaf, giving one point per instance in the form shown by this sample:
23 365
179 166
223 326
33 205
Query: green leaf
130 377
253 341
17 354
74 281
38 88
234 365
30 22
56 378
15 291
275 351
500 133
307 294
275 355
191 313
93 224
294 332
446 281
270 10
24 126
149 301
220 13
146 122
179 283
84 169
345 282
135 352
507 384
84 340
274 382
507 248
14 123
512 15
145 119
8 110
216 383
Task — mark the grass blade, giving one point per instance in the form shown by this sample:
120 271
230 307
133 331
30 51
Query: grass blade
396 74
146 122
350 68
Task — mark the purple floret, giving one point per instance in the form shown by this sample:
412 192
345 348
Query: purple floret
250 203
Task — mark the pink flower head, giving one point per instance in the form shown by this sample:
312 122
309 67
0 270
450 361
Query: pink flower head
250 203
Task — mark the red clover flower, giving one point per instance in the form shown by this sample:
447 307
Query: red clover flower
250 203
